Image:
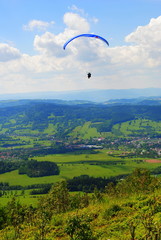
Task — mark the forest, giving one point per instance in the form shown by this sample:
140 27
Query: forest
32 168
36 117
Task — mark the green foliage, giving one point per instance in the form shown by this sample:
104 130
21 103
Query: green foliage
3 217
139 181
8 166
111 212
104 126
156 170
61 215
41 221
86 183
79 228
16 215
57 200
34 168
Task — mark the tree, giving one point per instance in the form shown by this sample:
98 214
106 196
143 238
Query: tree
16 215
42 222
139 181
79 228
34 168
3 217
57 199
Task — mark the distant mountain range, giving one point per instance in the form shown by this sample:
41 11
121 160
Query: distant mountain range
88 95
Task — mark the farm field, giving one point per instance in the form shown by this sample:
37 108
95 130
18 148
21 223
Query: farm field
103 163
135 127
24 198
100 164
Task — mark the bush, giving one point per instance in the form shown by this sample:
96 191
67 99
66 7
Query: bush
112 211
77 228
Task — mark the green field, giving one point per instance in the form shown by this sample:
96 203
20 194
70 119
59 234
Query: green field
25 199
137 127
100 164
85 131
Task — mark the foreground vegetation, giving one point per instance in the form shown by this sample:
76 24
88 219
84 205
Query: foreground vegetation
130 209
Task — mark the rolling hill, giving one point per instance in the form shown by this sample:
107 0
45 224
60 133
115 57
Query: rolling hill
80 119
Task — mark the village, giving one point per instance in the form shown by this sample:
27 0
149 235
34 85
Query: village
127 147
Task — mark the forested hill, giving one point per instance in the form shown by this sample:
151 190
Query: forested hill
61 119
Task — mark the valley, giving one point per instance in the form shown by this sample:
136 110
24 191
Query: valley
81 139
95 165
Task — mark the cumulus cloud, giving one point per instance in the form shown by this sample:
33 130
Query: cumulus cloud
148 39
76 9
149 35
46 44
76 22
8 53
143 49
52 45
37 25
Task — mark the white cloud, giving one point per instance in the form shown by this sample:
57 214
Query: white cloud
148 40
95 20
76 22
8 53
52 45
76 9
149 35
48 44
37 25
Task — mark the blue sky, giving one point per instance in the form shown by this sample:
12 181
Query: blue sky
32 34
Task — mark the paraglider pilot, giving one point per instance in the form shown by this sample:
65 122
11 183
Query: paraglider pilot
89 75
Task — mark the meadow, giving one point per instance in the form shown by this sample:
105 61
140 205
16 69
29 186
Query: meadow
24 198
100 164
137 127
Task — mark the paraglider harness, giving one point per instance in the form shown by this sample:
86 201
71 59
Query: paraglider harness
88 75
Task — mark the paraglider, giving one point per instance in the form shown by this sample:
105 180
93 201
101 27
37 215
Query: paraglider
86 35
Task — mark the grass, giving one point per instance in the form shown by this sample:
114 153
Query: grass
66 171
85 131
25 200
51 129
102 155
13 178
71 165
139 125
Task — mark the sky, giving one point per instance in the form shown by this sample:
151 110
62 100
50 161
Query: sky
33 32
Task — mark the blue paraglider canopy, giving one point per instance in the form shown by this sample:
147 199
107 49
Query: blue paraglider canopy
86 35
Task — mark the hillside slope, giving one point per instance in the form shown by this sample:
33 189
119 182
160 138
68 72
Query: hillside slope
80 120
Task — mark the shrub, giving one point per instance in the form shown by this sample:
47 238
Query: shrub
112 211
78 228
